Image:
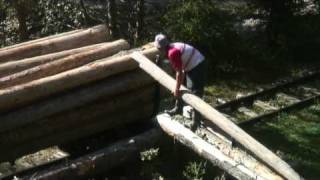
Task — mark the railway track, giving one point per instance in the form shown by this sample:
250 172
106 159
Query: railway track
284 96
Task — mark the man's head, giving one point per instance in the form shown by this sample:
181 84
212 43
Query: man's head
161 42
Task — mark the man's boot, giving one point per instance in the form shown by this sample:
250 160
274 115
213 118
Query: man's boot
196 118
177 108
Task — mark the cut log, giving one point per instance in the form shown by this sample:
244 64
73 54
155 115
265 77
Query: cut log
107 88
20 65
103 160
41 39
86 37
23 94
101 123
221 141
64 64
218 119
204 149
76 118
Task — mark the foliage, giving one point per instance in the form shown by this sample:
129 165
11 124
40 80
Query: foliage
277 31
57 16
28 19
195 170
149 154
203 24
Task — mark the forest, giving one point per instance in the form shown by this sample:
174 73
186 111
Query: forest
252 30
248 45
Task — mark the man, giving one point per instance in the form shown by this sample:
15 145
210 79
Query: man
189 65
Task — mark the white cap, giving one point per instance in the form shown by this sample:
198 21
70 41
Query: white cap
160 41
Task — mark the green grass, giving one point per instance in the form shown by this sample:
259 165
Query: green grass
296 137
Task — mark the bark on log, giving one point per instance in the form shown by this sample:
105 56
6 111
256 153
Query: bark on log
21 95
204 149
218 119
64 64
20 65
99 124
78 117
40 39
109 87
103 160
89 36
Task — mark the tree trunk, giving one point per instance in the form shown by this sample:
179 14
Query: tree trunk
112 18
82 116
78 117
23 94
74 99
93 35
41 39
20 65
139 20
22 8
218 119
103 160
93 125
63 64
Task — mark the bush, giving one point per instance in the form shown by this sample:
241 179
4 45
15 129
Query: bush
209 28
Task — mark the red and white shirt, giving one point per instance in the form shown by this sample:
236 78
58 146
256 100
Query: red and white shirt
183 56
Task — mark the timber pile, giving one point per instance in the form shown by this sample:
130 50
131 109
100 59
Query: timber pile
69 86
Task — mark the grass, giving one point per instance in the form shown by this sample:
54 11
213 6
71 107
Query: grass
296 137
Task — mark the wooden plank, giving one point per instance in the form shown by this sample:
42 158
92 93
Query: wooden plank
218 119
265 107
204 149
285 98
247 112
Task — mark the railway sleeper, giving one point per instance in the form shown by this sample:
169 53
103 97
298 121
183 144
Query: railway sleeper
264 106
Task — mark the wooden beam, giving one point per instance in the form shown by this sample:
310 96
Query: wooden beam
218 119
204 149
64 64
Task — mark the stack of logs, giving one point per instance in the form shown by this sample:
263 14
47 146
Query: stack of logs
68 86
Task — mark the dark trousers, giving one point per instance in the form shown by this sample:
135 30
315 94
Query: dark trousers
195 81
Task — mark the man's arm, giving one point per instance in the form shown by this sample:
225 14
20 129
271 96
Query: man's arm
179 79
175 58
